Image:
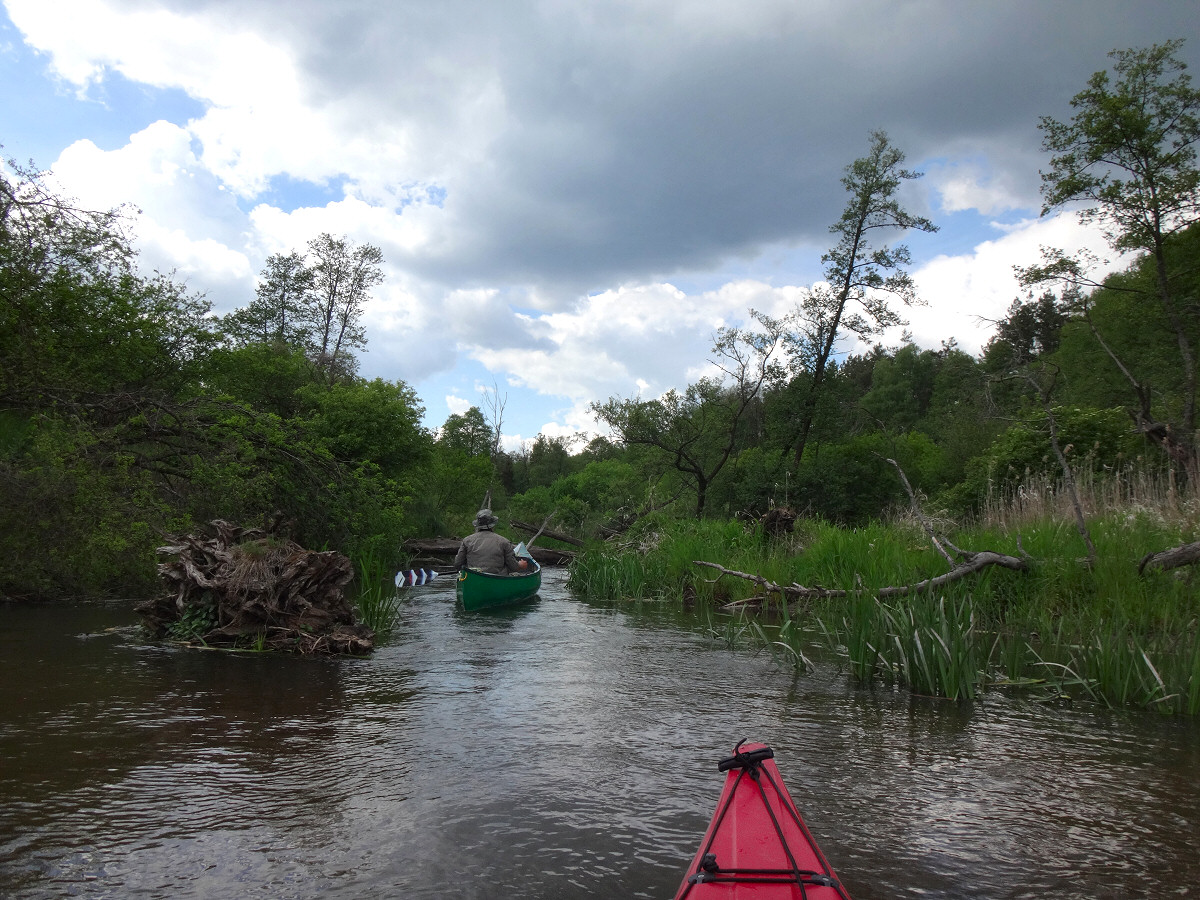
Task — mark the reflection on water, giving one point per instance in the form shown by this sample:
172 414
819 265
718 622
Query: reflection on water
555 749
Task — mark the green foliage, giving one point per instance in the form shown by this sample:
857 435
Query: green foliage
1130 149
467 433
1140 334
657 560
265 377
447 490
549 460
1030 330
1096 438
71 528
198 619
368 421
901 388
342 278
697 432
602 492
851 482
932 646
277 315
124 415
1129 155
758 480
862 278
1060 629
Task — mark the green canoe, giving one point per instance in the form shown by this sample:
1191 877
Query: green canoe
480 590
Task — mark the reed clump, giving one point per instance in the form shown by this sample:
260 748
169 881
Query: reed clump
1064 629
377 598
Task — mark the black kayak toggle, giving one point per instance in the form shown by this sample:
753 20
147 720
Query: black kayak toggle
748 760
709 863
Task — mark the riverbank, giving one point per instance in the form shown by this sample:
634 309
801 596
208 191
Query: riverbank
1062 627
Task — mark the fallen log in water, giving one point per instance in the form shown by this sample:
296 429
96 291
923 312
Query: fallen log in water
974 562
248 588
553 535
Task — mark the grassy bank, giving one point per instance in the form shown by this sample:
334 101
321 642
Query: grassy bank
1061 628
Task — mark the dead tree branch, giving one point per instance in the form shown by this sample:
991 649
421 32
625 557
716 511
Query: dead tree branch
1186 555
916 508
975 562
553 535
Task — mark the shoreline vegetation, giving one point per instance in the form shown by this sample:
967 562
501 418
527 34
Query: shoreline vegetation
1061 629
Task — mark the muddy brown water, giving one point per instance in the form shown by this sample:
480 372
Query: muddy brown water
554 750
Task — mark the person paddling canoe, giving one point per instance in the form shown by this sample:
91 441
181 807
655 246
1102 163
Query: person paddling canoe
487 551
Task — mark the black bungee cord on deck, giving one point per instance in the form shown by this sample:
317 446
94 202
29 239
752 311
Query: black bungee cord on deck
710 872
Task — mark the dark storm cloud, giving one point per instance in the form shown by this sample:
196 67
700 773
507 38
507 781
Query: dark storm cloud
631 141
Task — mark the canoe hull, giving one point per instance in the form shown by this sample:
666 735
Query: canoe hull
757 846
481 590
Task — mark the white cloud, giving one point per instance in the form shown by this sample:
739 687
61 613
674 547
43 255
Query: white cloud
967 294
636 340
972 184
646 339
181 224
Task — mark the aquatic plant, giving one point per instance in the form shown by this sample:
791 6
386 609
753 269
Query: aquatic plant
931 645
377 599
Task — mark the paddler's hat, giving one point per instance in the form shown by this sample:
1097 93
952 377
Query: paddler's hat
485 519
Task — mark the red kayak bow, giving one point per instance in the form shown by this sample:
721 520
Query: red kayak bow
757 845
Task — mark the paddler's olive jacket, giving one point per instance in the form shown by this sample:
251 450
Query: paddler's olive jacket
487 551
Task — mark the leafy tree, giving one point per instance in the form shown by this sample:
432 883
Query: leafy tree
902 388
76 318
861 277
277 313
369 421
756 481
960 417
121 420
584 501
343 277
549 460
1134 332
468 432
697 431
1023 450
851 483
1030 329
447 491
1129 155
266 377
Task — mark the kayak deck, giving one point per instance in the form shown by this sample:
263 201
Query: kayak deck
757 845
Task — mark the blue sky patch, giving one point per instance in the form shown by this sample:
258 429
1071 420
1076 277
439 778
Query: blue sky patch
289 194
41 115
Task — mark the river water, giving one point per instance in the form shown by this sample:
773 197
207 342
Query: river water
554 750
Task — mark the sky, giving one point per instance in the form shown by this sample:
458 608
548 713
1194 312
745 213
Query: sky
571 196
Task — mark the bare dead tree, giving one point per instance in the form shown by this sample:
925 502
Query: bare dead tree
494 413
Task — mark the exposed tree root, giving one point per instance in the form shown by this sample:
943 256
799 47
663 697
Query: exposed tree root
245 587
